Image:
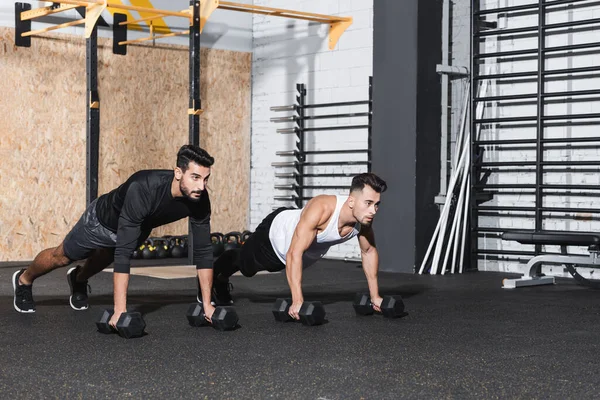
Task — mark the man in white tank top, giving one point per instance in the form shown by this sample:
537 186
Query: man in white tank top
293 239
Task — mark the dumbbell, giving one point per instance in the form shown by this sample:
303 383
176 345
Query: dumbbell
311 312
129 325
223 319
391 306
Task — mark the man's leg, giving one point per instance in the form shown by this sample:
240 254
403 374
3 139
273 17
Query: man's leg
78 276
46 261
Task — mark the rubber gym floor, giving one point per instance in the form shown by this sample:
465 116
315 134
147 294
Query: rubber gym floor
464 337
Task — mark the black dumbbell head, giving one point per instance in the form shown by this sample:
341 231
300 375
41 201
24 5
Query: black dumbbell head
312 313
102 323
362 304
131 325
392 306
280 310
224 318
195 315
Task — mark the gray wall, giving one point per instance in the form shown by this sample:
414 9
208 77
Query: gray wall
406 120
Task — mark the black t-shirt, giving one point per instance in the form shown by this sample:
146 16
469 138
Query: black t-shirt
144 202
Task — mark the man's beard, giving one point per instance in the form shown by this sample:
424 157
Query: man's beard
187 193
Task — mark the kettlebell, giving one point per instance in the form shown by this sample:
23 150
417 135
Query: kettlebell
232 240
217 243
245 236
177 249
162 249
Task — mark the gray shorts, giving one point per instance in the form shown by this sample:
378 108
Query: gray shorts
87 235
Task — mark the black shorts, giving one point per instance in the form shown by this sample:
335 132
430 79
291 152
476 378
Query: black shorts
257 252
89 234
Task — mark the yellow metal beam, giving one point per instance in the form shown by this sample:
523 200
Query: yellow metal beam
43 11
145 39
54 27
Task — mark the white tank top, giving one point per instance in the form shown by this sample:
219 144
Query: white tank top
284 225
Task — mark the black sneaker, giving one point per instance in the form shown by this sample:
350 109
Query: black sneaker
199 294
222 292
23 299
79 298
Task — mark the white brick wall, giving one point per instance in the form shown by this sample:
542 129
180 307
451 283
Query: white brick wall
559 107
287 52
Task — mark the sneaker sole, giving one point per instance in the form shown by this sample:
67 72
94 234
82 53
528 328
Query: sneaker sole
15 297
71 297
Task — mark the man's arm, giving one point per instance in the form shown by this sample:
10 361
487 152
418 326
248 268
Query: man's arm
203 258
370 263
135 208
304 234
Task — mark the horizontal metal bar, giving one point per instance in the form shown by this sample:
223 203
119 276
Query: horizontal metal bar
505 192
325 128
284 108
505 141
284 119
288 130
499 208
534 186
499 10
557 170
313 117
505 53
316 152
486 229
286 153
505 163
336 128
524 7
527 29
534 95
333 175
338 104
571 47
536 50
572 140
505 119
506 252
318 163
294 186
543 209
532 163
562 71
572 116
534 118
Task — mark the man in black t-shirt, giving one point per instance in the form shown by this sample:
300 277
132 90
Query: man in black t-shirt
119 221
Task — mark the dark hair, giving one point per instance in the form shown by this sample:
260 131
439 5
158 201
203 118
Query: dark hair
190 153
368 179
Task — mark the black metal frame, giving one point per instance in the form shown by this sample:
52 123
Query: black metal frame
480 170
299 163
92 117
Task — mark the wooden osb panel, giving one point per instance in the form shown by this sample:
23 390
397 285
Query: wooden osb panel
144 121
42 143
143 108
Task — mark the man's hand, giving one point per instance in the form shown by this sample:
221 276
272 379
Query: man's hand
295 309
209 310
115 318
376 303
